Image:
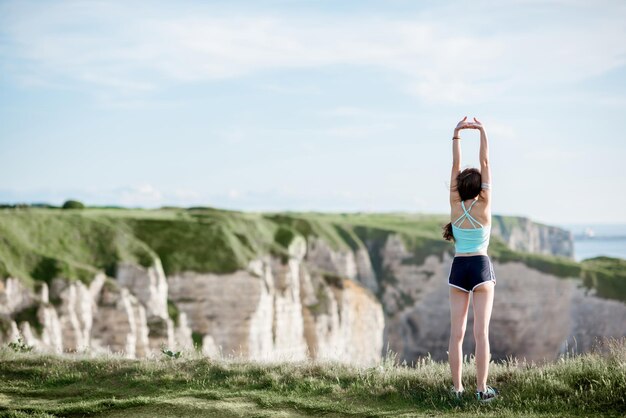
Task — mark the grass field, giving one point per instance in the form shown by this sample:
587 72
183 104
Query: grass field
591 384
38 244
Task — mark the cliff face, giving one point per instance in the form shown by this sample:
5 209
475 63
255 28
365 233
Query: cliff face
522 234
273 310
535 315
310 287
277 311
100 317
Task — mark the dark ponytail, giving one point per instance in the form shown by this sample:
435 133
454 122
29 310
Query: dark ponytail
447 232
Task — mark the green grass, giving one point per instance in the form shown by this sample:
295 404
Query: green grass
29 314
591 384
40 243
606 275
173 312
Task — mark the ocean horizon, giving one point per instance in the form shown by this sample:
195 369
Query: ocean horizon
595 240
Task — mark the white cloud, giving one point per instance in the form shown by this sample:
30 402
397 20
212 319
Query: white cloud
137 195
141 195
290 89
185 194
117 47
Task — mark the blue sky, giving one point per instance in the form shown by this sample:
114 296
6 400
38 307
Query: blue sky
326 105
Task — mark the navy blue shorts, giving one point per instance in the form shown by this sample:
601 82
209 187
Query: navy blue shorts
469 272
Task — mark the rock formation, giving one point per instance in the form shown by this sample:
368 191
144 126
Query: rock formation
103 316
535 315
273 310
522 234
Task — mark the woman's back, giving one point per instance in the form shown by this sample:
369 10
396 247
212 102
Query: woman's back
475 237
479 209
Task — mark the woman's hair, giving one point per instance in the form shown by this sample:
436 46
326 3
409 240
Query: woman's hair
468 184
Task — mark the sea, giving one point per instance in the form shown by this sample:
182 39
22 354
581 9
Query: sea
594 240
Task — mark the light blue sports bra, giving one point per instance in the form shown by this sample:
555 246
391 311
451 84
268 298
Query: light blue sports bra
468 240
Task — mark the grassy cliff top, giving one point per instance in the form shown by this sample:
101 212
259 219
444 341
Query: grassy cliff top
38 243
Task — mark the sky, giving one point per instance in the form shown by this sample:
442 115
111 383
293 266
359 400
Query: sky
314 105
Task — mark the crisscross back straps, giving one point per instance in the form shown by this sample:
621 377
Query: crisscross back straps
469 217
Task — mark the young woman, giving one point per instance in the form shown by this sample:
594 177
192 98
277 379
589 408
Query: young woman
471 270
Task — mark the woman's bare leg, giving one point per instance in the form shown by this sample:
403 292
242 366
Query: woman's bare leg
459 303
483 302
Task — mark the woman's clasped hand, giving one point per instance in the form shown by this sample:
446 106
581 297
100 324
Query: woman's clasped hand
463 124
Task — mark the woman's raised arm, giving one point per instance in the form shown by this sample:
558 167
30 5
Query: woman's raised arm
456 159
485 169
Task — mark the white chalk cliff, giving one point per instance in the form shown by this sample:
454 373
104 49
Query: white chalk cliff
319 303
535 315
269 311
522 234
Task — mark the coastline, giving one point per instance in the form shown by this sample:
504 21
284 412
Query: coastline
595 240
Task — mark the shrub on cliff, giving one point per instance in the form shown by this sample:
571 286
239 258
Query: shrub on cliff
73 204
